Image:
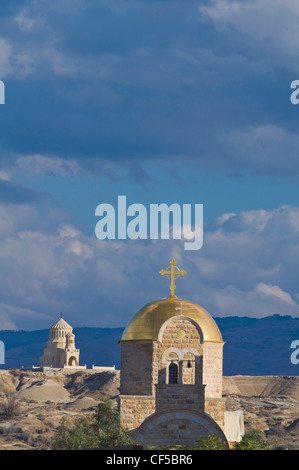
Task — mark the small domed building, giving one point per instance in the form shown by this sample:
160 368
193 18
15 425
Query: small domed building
60 351
171 374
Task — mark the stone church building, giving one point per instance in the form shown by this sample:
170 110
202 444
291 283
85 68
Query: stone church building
171 374
61 351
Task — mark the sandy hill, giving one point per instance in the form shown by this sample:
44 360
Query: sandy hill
264 386
32 404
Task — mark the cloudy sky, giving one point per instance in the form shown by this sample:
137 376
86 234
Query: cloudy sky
164 101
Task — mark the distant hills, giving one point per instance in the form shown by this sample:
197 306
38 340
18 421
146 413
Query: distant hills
259 346
253 346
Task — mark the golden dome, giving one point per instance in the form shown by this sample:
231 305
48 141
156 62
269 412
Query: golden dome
146 323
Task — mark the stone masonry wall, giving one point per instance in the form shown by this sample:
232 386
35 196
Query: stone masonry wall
215 407
180 340
134 409
212 369
136 368
179 396
176 428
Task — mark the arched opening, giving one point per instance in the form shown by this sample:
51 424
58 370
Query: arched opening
173 373
72 361
188 369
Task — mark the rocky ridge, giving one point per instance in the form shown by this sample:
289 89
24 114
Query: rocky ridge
32 404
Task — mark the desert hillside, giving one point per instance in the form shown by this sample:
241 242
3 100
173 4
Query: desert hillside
32 404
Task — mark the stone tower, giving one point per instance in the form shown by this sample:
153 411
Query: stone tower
171 373
60 351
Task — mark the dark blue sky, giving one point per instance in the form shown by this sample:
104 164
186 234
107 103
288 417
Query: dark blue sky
161 101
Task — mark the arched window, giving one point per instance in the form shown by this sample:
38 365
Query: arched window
173 373
72 361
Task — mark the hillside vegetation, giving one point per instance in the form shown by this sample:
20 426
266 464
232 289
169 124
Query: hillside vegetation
33 404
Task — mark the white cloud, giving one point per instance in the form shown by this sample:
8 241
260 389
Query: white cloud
68 231
245 261
80 249
270 27
240 270
268 289
61 63
27 22
4 175
42 164
5 59
19 65
10 314
224 217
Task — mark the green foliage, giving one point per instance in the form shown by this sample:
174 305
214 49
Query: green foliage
102 429
211 442
170 447
252 440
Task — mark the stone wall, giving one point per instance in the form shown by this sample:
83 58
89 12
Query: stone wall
179 341
215 407
176 427
134 409
136 368
212 369
179 396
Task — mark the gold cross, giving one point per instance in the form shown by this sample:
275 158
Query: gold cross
172 272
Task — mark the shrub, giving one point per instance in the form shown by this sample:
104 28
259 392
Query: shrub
10 407
211 442
252 440
102 429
